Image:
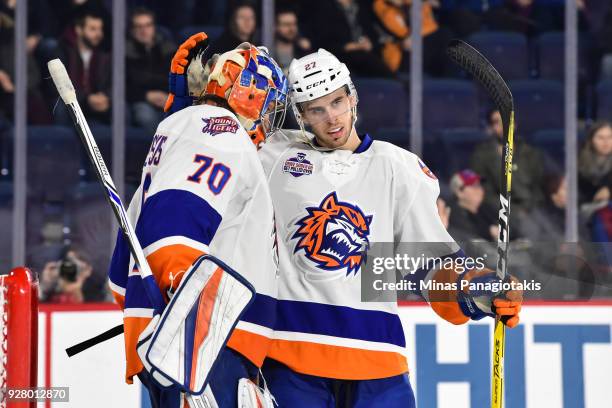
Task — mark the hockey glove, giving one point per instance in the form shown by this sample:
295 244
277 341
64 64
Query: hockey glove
179 96
479 296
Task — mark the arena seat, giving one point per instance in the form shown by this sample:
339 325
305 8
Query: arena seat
450 103
383 103
538 105
507 52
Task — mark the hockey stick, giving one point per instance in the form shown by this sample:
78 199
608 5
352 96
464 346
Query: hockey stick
67 93
481 69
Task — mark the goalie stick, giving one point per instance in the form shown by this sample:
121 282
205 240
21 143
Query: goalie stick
65 88
483 71
67 93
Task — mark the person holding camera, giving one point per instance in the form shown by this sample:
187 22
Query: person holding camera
62 281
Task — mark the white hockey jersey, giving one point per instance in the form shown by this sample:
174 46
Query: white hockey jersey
327 205
203 190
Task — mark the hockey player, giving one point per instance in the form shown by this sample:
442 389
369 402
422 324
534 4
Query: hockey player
334 194
203 191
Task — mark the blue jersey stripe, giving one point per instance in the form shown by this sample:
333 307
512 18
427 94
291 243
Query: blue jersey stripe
339 321
136 295
262 311
120 262
160 218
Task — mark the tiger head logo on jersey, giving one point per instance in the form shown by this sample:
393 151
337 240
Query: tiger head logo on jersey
334 235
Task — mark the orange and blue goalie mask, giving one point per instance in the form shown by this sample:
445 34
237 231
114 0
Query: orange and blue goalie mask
254 87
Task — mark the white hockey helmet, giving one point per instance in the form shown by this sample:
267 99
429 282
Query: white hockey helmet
316 75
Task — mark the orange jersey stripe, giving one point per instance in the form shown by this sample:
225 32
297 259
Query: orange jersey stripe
133 327
119 299
175 259
205 308
338 362
252 346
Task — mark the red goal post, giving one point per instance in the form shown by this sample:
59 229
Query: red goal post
18 333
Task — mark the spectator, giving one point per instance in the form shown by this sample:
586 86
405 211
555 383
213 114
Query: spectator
62 281
595 164
37 111
147 56
344 29
470 217
527 170
88 66
547 222
288 44
68 11
394 16
240 28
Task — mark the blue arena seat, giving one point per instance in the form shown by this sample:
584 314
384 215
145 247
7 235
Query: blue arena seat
397 136
552 144
507 51
383 103
551 56
604 100
137 144
458 147
450 103
538 104
53 161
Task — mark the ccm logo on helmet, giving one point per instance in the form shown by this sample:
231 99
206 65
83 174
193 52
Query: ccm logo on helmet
315 84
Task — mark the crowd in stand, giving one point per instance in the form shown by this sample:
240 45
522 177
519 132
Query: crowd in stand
373 37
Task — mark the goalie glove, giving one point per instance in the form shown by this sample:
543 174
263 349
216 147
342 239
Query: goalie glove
477 303
182 91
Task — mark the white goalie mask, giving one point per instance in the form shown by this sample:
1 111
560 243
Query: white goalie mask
316 75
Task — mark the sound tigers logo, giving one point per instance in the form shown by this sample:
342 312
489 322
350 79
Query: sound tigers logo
334 235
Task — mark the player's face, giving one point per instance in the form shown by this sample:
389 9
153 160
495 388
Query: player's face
602 141
330 118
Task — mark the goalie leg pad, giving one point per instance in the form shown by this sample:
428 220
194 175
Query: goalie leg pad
196 324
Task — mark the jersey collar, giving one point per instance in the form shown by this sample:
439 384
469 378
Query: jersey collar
366 142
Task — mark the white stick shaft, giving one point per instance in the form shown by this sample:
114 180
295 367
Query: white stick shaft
66 90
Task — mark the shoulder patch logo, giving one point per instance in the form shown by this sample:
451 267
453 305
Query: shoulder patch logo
426 170
298 166
334 235
221 124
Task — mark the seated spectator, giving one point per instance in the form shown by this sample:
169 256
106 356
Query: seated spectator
527 171
547 222
470 217
37 111
595 164
394 16
88 66
147 56
288 44
62 280
240 28
344 28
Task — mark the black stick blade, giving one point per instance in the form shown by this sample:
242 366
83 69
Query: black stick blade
468 58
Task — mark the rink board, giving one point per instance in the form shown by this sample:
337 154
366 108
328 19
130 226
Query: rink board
560 356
